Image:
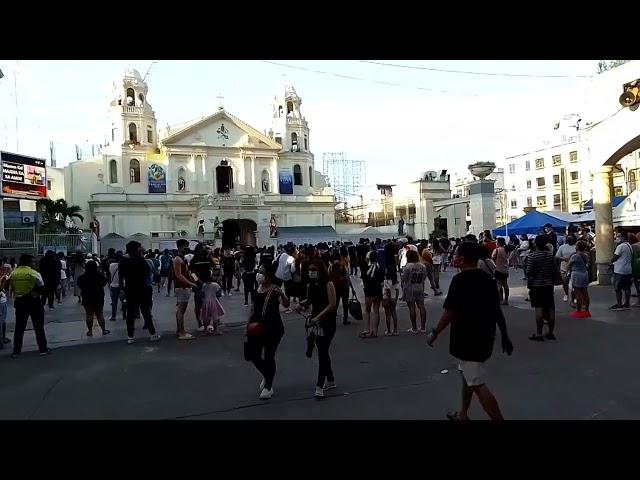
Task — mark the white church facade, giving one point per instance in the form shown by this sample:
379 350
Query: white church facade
214 177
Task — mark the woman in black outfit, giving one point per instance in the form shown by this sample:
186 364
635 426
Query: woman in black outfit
372 278
91 285
321 296
272 328
249 274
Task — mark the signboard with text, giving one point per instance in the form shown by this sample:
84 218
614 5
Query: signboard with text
157 179
285 181
23 177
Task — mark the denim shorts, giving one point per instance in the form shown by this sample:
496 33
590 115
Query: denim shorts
622 281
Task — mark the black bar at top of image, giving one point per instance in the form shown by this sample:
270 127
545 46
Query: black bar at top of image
14 157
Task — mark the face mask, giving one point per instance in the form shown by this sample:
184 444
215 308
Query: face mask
260 278
313 276
457 262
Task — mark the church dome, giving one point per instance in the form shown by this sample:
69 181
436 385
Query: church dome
131 72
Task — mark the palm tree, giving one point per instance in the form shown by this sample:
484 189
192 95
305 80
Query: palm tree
55 214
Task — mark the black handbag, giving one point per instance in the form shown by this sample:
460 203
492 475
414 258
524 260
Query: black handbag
355 309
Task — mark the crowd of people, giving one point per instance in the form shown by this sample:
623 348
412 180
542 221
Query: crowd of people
312 280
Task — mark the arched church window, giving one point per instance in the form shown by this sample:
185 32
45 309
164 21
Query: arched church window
131 97
279 111
306 144
311 176
632 181
149 134
297 175
134 171
289 108
266 187
133 132
113 132
113 171
224 177
294 142
141 98
182 182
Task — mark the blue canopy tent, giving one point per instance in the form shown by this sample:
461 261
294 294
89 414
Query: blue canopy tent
531 223
615 201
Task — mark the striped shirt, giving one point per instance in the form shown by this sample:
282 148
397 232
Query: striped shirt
540 266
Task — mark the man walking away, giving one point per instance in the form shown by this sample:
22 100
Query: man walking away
27 284
622 272
134 273
50 268
182 289
473 310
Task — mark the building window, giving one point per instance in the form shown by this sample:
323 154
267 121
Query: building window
557 200
540 181
279 139
557 160
513 188
556 179
149 134
514 204
133 132
574 176
113 132
513 219
311 176
294 142
131 97
617 191
306 144
182 180
266 184
512 168
529 202
527 165
575 197
113 171
297 175
528 183
542 201
224 177
573 157
539 163
48 184
289 108
134 171
632 181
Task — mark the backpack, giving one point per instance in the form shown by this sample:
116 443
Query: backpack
165 262
338 276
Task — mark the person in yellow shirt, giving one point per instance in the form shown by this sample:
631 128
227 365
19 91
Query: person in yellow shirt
26 284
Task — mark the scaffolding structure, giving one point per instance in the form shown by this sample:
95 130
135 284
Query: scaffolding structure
347 176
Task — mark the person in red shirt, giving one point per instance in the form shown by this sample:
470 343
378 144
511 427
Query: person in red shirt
489 242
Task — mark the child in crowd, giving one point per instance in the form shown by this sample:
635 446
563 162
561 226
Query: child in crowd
390 292
212 310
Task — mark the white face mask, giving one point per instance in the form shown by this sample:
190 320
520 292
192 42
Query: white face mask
260 278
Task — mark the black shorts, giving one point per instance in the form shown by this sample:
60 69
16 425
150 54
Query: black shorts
542 297
500 276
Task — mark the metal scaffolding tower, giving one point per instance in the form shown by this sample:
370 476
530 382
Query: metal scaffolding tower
347 177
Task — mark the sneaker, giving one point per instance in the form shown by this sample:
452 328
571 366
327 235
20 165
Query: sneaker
576 314
245 304
112 319
51 308
186 336
565 298
48 351
266 394
154 338
319 393
223 294
201 328
229 294
131 340
15 355
329 385
615 307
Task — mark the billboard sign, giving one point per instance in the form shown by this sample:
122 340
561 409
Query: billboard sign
285 180
157 179
23 177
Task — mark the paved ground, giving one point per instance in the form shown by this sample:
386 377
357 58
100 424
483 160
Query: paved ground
588 373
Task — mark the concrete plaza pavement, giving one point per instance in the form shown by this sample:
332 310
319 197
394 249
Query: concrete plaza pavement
588 373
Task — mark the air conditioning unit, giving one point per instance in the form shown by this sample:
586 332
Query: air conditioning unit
29 219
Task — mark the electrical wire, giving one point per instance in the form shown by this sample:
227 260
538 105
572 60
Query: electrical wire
465 72
380 82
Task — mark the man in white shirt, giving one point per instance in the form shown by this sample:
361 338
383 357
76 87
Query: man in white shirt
64 281
622 272
563 255
283 265
114 288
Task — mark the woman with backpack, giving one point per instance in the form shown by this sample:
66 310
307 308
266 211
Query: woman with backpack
339 276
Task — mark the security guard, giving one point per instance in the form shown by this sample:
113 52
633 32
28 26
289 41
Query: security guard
27 285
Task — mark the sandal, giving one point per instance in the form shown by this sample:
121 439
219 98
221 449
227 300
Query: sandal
454 416
411 330
536 338
365 334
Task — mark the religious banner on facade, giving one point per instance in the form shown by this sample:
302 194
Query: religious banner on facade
157 179
285 179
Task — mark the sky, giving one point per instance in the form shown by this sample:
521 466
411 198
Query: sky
427 120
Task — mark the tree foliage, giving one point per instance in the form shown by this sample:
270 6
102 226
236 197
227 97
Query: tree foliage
55 214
